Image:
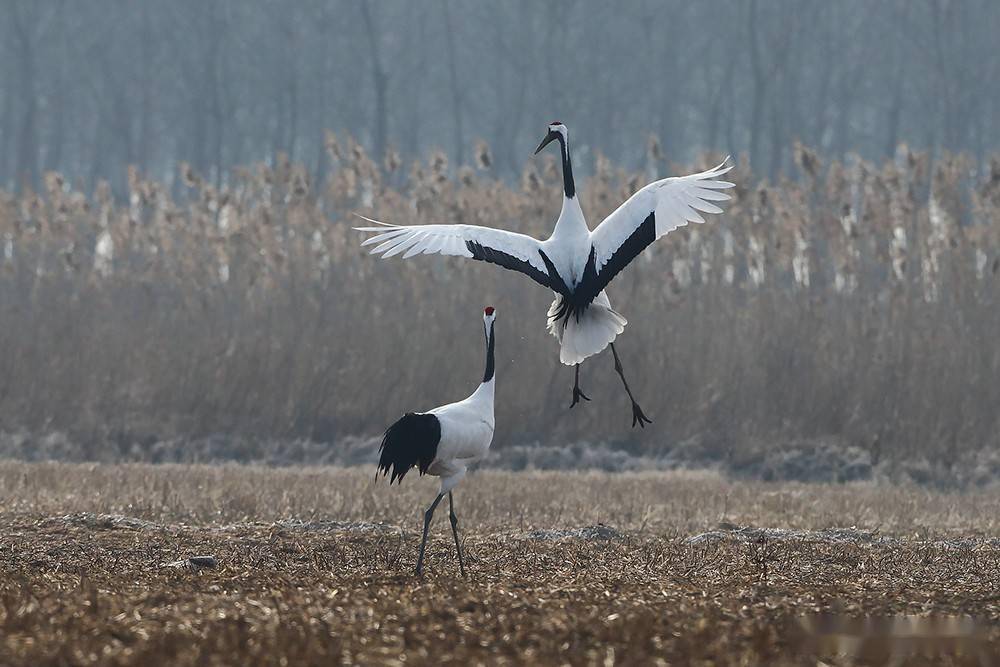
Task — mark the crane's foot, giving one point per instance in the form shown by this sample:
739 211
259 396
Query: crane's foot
638 417
577 395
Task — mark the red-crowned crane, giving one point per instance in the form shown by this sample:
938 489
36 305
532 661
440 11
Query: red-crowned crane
574 262
444 442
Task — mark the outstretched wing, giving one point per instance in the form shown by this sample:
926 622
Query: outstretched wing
655 210
510 250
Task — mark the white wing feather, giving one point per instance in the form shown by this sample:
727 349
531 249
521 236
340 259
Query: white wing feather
676 201
452 240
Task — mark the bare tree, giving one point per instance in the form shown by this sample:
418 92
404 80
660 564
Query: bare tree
380 80
88 88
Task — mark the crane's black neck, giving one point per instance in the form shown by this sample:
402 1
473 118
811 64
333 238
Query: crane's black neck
569 187
488 375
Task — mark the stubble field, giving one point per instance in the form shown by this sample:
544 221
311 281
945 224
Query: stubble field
314 566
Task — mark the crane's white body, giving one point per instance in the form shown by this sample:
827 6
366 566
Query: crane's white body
466 434
569 244
598 326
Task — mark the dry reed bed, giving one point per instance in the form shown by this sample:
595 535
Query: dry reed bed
75 591
857 301
678 503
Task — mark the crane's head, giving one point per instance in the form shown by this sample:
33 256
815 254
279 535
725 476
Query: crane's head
556 130
489 314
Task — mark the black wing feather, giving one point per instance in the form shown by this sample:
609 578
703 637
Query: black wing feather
485 253
411 442
594 281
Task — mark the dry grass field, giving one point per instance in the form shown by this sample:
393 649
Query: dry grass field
314 566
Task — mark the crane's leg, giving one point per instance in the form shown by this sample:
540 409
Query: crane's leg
577 394
637 416
428 515
454 531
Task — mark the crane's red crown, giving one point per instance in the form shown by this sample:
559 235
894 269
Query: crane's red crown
488 310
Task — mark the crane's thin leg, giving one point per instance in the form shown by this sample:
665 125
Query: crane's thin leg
637 416
454 531
577 394
427 524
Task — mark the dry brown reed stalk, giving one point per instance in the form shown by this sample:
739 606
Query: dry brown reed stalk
857 301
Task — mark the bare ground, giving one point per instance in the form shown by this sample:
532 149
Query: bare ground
314 565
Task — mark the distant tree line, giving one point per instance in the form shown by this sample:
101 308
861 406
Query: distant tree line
88 88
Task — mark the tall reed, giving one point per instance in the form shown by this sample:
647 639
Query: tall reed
856 301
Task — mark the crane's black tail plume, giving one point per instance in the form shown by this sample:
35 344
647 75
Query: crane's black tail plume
410 442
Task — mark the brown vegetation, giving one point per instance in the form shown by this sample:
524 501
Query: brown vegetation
857 301
88 569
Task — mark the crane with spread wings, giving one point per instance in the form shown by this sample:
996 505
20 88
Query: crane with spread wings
577 264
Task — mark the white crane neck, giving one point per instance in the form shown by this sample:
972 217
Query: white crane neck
571 222
485 393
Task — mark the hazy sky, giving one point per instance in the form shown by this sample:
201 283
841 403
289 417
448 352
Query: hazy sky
90 87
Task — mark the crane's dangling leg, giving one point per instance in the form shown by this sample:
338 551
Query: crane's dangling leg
427 524
454 531
577 394
637 416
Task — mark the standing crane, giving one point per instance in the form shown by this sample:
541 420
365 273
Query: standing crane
574 262
444 442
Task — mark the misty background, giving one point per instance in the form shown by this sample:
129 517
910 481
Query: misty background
179 280
89 88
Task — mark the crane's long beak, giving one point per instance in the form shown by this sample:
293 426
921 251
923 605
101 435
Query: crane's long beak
549 138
